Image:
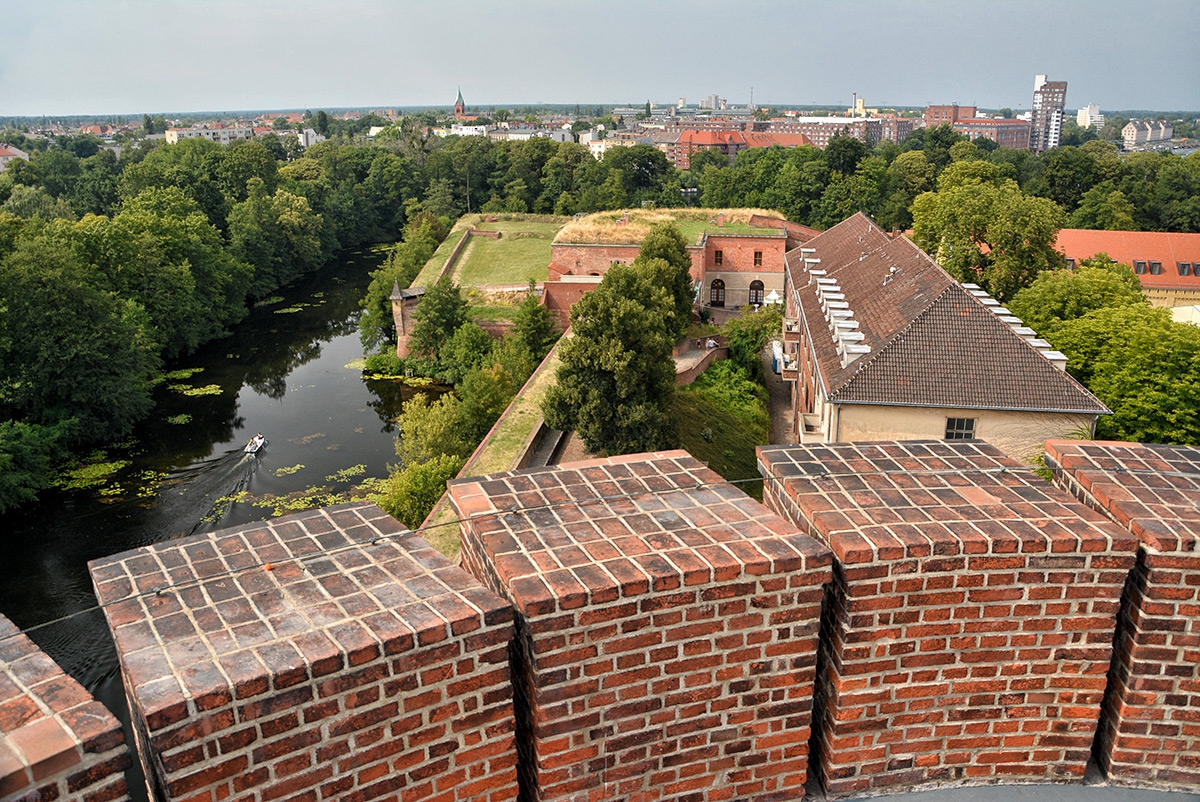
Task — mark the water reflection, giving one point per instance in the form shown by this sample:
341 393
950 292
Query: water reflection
280 372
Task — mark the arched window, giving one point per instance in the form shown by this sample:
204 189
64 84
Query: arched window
756 293
716 293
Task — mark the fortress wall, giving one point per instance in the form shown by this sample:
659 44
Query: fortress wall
935 615
1150 733
324 655
968 629
667 628
56 741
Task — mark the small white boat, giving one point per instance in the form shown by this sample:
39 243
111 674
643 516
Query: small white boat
256 443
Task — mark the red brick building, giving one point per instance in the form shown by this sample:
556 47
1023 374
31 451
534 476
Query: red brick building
731 270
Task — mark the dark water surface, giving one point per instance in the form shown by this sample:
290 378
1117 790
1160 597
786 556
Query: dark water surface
284 373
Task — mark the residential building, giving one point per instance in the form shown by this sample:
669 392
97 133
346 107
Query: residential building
308 137
948 115
1046 116
1089 117
880 343
1167 263
679 145
819 130
1005 133
894 128
1139 133
10 152
220 134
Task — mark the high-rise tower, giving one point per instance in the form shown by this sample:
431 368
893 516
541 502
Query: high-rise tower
1045 125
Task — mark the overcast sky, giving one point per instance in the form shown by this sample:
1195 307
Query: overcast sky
136 56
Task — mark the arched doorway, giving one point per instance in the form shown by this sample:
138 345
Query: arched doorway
756 293
716 293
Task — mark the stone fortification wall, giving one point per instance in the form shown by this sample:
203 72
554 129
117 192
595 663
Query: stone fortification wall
1150 732
667 628
327 655
968 630
56 741
916 614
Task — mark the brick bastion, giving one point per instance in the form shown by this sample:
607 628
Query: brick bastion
968 629
897 616
56 741
327 655
667 628
1150 733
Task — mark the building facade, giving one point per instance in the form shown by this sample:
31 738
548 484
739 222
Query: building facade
1139 133
8 153
881 343
220 135
1046 118
1089 117
1005 133
1166 263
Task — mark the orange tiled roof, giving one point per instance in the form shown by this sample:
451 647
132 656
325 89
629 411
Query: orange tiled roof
1128 247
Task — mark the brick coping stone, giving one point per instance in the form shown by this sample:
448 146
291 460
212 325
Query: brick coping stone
968 630
293 621
1151 490
1150 733
667 628
56 741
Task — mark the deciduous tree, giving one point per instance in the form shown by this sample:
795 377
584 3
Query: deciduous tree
983 229
616 378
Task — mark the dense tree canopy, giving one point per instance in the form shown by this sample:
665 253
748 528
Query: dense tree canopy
982 228
616 376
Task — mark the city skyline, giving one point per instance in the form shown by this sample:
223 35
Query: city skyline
65 57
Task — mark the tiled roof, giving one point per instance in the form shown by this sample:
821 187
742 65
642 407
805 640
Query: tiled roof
1128 247
932 344
959 354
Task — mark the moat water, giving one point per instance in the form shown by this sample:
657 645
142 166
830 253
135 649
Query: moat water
287 371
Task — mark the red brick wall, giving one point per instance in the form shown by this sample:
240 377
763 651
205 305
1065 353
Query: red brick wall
362 664
560 296
968 630
56 741
585 260
1150 733
737 254
666 629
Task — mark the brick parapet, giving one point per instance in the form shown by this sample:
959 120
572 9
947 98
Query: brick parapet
1150 732
968 630
328 654
56 741
667 628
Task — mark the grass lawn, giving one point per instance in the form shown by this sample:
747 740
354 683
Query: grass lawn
521 255
513 430
429 272
692 229
721 439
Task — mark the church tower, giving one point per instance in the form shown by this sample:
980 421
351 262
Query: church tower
460 108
